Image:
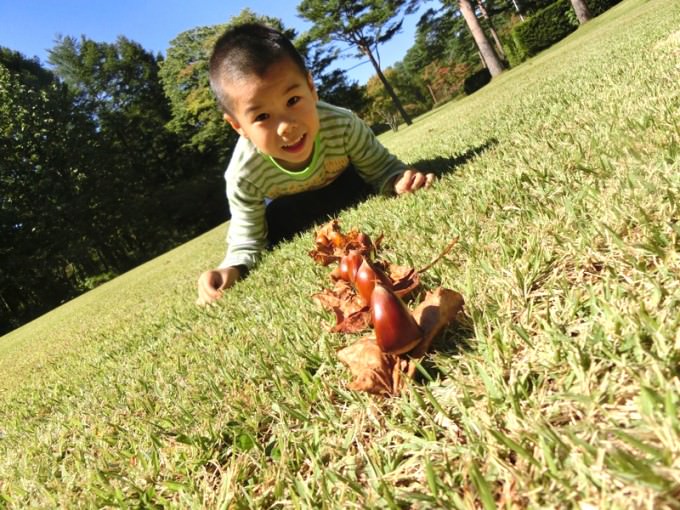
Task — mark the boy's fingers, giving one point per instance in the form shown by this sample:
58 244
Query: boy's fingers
404 182
418 181
206 298
411 180
209 284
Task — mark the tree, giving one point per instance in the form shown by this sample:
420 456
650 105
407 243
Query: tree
196 118
364 25
581 9
118 87
381 109
493 63
44 169
332 86
497 40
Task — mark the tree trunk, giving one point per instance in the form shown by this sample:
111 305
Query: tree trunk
582 11
388 87
494 34
434 97
488 54
519 11
481 59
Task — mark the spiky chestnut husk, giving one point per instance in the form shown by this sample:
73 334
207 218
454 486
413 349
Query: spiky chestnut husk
396 331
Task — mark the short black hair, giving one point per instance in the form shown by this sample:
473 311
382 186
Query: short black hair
248 48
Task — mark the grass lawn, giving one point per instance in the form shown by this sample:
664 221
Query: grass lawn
560 388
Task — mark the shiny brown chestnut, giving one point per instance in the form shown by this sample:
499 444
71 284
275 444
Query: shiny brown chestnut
349 265
366 277
396 331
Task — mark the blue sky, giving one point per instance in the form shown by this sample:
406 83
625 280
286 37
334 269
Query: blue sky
31 26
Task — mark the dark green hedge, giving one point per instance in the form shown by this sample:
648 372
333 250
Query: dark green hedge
597 7
546 27
541 31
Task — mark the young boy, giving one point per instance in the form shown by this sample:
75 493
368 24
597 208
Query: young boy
297 158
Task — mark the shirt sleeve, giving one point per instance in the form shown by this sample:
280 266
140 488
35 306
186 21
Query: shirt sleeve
374 163
247 236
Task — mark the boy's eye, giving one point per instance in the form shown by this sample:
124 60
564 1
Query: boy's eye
262 117
293 100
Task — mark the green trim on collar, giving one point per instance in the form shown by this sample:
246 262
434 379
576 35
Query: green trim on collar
304 173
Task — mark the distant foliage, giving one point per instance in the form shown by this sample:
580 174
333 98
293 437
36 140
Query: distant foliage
196 118
363 25
44 167
546 27
597 7
91 181
540 31
184 76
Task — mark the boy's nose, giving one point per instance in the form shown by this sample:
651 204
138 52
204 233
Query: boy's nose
287 127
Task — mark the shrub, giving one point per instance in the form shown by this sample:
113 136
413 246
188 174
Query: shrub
542 30
597 7
92 282
546 27
513 53
476 81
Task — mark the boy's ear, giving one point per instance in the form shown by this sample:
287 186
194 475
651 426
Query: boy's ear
312 87
234 124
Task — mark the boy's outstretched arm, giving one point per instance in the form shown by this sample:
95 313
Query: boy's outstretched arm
411 180
211 284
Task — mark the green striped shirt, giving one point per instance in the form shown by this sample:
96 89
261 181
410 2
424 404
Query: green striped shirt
252 177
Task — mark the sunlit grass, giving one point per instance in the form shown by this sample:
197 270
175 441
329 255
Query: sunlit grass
561 388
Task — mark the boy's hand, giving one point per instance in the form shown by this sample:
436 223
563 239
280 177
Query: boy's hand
211 284
411 180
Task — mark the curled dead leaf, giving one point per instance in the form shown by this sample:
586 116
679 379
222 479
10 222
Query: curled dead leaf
379 373
405 279
354 322
330 243
372 369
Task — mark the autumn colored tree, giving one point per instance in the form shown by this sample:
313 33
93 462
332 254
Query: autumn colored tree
443 53
381 108
364 25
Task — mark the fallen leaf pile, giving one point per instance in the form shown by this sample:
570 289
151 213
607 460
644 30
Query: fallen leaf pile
375 371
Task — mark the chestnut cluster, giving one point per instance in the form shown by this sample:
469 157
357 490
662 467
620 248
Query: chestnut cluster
396 331
368 292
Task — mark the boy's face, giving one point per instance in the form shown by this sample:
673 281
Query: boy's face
277 112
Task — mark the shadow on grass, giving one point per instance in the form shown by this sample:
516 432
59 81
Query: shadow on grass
441 165
291 215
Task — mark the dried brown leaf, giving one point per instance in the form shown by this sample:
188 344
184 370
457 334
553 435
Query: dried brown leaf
380 373
404 279
439 309
372 369
330 243
353 322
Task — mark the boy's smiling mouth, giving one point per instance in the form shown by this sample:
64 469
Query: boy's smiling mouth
297 145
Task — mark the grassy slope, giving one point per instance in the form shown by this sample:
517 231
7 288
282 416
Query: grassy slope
561 386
